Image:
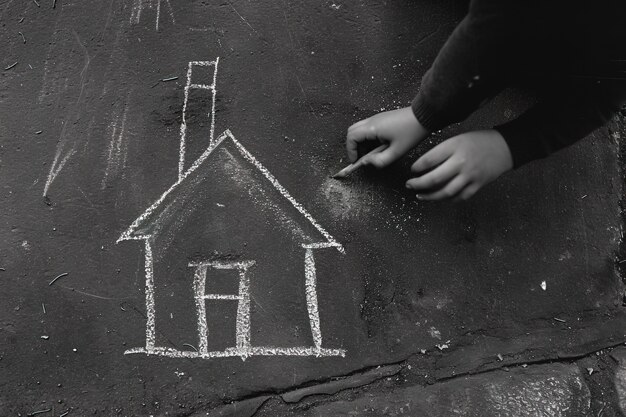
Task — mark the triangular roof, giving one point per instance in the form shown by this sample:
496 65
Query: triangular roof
134 232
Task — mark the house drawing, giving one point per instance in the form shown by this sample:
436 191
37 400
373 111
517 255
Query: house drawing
227 214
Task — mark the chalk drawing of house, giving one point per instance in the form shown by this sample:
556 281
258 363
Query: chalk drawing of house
225 237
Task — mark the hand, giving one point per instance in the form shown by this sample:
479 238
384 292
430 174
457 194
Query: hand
462 166
398 128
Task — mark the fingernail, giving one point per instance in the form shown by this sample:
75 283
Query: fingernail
419 197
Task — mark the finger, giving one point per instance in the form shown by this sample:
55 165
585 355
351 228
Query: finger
435 156
450 190
361 133
395 151
383 157
468 192
436 178
357 124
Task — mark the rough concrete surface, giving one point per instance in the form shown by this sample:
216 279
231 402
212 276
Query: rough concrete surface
543 390
306 279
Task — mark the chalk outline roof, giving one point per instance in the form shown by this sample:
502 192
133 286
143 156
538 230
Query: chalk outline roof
131 232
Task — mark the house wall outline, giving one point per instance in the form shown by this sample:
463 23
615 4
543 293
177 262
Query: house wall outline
243 349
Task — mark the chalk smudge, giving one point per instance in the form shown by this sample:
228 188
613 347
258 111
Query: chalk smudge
65 150
117 147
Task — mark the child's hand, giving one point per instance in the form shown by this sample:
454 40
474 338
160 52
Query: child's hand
398 128
462 166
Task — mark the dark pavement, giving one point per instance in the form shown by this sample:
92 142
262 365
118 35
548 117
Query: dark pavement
207 269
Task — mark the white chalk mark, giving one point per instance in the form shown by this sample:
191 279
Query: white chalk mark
320 245
242 328
140 5
116 153
183 125
234 352
134 11
243 312
56 168
330 240
150 308
243 348
130 232
311 297
58 163
224 265
199 289
221 297
201 86
171 11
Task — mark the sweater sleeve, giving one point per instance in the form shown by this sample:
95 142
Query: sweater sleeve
471 67
562 119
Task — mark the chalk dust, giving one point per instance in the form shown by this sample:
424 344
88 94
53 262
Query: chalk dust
347 199
263 196
354 200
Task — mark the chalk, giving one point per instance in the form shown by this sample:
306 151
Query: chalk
169 79
311 297
158 15
117 149
140 5
560 320
59 276
243 348
43 307
11 66
54 4
2 269
183 125
242 353
21 20
38 132
358 164
67 412
22 35
37 3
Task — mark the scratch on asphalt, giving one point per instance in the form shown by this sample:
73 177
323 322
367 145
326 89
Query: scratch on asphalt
88 294
242 18
306 99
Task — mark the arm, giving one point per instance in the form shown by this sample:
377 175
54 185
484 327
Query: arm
465 163
474 65
468 70
562 119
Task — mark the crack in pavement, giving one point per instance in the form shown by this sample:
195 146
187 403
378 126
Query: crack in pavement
344 382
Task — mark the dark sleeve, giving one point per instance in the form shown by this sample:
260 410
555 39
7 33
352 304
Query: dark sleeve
472 66
562 119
